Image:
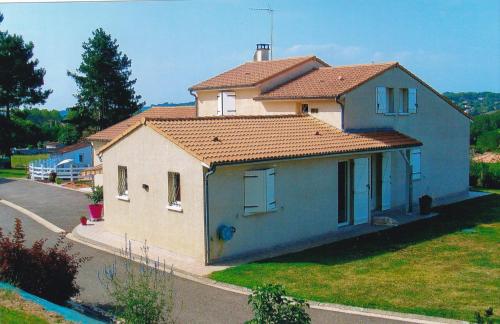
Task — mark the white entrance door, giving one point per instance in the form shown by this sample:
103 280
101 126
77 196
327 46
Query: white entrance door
386 181
361 191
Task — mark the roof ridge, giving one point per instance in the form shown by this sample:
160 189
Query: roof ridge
146 118
363 64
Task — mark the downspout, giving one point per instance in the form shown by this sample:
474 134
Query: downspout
337 100
210 171
195 100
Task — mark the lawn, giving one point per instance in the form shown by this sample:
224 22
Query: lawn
22 161
448 266
12 173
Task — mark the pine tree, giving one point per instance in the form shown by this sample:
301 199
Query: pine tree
105 91
20 82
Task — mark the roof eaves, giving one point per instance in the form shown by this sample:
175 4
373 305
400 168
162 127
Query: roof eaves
391 66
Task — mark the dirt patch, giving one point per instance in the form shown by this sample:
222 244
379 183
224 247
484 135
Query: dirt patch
11 300
76 185
488 157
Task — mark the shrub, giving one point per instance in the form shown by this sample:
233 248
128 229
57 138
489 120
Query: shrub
271 306
46 272
96 195
486 318
485 175
142 293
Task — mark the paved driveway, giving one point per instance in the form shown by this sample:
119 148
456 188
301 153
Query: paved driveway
61 207
195 302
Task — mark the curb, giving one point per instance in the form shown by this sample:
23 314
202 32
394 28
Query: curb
40 220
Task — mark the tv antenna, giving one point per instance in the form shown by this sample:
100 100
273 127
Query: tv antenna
269 11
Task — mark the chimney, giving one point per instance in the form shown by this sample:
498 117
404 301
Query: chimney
261 53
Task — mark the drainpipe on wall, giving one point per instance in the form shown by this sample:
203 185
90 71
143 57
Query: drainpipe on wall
195 101
210 171
337 100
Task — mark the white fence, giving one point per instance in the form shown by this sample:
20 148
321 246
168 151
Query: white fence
41 170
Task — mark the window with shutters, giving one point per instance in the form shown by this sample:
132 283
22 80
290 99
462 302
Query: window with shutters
122 182
412 100
403 101
259 191
381 96
390 101
415 157
226 103
174 190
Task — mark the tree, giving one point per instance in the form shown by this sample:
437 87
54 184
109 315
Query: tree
105 91
21 81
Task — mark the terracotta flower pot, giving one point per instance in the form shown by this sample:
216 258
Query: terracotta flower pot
95 211
83 220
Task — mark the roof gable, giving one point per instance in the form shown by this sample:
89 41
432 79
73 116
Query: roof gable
253 73
239 139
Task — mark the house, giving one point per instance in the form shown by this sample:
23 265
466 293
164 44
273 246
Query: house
282 152
66 161
106 135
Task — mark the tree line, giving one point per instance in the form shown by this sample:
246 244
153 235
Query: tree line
105 92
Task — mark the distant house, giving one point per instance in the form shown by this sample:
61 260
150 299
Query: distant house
100 138
67 162
282 152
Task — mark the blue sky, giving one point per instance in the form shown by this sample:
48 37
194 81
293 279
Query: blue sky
453 45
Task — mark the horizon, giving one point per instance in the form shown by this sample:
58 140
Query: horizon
169 55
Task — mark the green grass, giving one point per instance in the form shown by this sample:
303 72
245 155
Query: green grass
431 267
22 161
14 316
12 173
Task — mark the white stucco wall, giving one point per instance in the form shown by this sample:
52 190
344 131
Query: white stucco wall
149 157
96 145
443 131
306 206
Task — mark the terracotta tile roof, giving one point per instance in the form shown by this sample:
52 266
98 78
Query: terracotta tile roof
327 82
253 138
72 147
155 112
252 73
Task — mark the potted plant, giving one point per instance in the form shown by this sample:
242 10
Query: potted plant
83 220
95 196
425 203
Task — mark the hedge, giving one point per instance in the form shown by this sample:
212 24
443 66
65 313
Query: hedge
485 175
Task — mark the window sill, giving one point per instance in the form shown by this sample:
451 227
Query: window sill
124 198
175 208
261 213
404 114
390 114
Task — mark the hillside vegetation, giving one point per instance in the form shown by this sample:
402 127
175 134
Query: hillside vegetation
475 102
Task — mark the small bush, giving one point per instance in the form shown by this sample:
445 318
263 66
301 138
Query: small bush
485 175
271 306
142 293
46 272
486 318
96 195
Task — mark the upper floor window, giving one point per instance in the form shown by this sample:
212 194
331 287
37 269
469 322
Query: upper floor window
226 103
386 100
305 108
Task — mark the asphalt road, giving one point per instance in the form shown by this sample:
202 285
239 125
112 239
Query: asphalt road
194 302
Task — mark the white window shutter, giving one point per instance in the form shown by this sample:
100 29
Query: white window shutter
415 157
219 103
381 94
270 192
412 100
255 193
228 103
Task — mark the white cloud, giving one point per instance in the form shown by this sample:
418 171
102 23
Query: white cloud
330 49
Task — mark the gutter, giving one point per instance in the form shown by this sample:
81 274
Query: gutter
191 92
337 100
206 219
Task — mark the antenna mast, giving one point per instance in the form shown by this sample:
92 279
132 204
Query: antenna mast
270 11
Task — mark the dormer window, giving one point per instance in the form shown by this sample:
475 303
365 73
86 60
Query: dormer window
226 103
